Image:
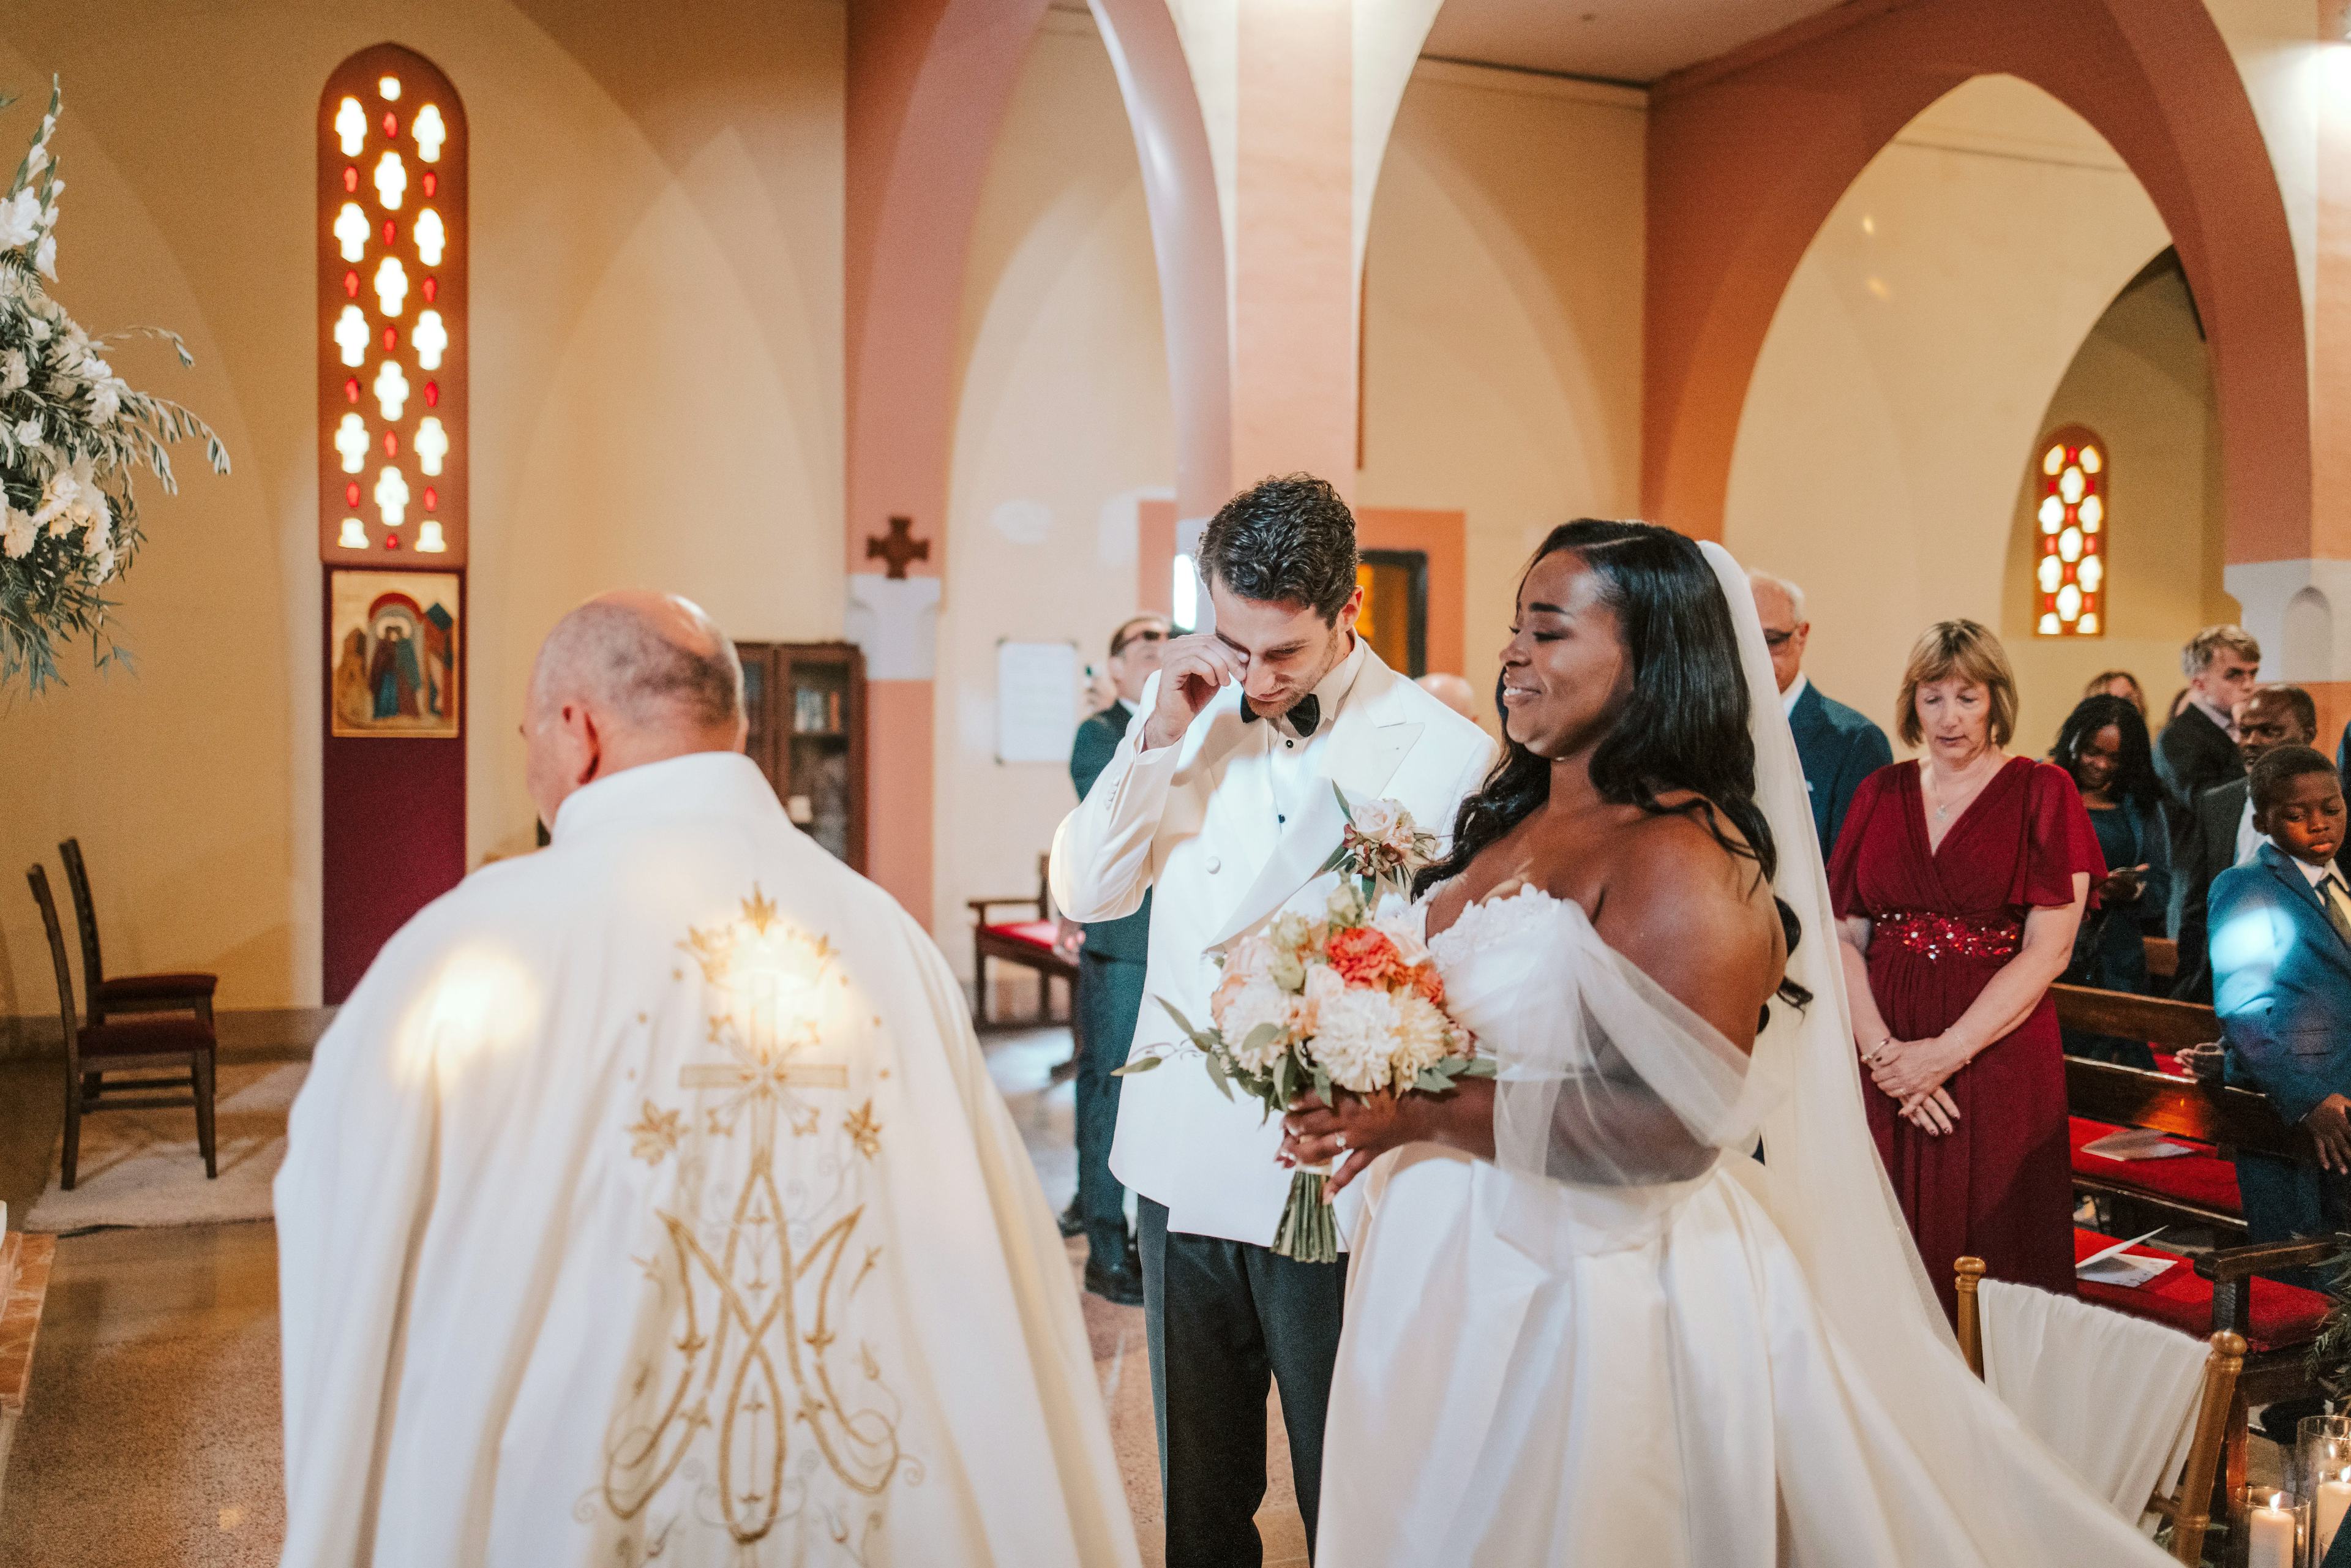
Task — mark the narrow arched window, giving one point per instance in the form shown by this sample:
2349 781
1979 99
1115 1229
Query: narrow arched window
391 242
2071 523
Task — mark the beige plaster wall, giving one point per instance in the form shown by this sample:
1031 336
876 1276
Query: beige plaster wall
1503 333
656 348
1905 380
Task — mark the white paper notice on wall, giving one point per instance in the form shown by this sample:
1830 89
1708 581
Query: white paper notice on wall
1036 701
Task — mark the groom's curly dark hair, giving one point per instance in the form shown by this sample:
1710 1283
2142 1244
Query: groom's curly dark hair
1286 541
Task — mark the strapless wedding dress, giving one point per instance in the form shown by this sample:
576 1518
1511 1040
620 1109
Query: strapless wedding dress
1615 1357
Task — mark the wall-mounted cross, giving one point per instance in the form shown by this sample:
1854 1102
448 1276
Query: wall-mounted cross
898 547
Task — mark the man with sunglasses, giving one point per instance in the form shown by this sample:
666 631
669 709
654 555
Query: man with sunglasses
1838 746
1109 991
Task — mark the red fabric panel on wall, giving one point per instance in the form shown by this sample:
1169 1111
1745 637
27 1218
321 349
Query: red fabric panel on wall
392 825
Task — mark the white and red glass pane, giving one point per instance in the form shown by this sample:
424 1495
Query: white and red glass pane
393 273
2070 568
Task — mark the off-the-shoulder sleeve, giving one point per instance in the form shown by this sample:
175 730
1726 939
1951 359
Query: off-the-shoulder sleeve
1845 867
2059 842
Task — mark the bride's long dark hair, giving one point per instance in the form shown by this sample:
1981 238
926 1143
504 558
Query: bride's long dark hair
1683 728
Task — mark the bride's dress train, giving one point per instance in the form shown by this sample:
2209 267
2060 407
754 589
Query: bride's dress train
1625 1341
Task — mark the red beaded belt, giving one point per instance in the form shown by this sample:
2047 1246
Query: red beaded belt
1935 937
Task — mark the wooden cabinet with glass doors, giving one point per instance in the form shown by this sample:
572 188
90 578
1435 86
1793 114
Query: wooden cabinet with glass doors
806 703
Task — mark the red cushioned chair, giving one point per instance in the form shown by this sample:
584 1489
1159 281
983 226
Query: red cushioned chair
188 993
2200 1187
182 1047
1027 943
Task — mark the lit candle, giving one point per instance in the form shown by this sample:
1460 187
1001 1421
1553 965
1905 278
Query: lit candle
2333 1502
2271 1542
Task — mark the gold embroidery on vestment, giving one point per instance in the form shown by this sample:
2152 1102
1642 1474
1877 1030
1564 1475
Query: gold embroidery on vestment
756 1350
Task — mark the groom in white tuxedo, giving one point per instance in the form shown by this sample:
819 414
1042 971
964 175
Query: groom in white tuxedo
1220 802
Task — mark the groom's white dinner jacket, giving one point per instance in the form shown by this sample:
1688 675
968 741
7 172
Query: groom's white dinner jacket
1203 823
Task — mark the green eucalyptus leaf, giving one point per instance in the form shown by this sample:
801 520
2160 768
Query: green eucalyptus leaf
1140 1064
1217 1075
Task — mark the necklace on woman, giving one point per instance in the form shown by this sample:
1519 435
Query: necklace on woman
1942 807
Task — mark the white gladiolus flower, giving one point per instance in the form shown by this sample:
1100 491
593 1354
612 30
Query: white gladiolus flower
20 219
17 533
99 539
14 374
105 400
102 566
1355 1038
27 432
36 329
37 159
45 255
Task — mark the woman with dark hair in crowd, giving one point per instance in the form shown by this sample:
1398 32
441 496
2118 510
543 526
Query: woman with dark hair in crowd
2104 745
1581 1325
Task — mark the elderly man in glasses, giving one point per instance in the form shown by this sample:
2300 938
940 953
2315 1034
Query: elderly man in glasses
1838 746
1109 990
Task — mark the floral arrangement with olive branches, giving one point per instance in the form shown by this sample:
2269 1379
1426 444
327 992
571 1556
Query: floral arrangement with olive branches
72 435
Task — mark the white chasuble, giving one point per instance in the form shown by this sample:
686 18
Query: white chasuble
649 1202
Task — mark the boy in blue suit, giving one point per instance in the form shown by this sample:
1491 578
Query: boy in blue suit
2281 946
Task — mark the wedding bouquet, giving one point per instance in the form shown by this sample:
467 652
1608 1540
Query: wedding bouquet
1347 1000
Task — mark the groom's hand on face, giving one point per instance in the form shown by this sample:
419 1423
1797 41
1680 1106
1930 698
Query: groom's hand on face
1191 670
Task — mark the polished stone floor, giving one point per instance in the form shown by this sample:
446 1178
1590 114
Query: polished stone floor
153 1433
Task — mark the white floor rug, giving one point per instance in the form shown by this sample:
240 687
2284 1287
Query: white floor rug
141 1167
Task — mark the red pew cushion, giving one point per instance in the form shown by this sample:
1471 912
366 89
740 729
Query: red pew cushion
1027 933
2203 1178
2283 1315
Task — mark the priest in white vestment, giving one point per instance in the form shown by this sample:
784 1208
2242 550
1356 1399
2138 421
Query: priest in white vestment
649 1200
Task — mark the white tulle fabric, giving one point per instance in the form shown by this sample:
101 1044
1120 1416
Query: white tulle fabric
1612 1344
2114 1397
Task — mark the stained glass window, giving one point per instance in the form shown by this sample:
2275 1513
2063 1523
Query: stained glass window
2069 521
391 242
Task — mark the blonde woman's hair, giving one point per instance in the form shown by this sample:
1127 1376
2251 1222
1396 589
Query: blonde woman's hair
1971 652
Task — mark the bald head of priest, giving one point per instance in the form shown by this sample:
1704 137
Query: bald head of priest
629 677
643 1171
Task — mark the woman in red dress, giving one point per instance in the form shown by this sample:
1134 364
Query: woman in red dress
1959 883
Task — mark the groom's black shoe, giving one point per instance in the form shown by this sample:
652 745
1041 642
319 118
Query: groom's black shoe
1117 1279
1072 1223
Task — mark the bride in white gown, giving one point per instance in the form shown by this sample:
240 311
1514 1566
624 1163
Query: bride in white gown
1583 1327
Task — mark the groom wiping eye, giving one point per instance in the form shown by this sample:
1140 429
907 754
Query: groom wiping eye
1227 826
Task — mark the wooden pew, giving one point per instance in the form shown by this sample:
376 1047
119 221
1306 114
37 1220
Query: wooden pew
2230 1119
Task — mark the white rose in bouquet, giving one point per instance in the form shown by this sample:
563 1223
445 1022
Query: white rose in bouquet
1375 819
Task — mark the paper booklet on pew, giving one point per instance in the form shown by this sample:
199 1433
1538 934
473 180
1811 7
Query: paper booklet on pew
2136 1143
2116 1265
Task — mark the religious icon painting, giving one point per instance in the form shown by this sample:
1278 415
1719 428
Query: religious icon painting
394 653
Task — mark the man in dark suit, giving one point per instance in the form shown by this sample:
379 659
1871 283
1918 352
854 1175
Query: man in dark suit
2282 969
1109 990
2221 834
2198 749
1837 746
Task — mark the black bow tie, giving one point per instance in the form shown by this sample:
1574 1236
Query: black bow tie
1303 719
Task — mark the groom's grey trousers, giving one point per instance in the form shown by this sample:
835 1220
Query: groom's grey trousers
1225 1318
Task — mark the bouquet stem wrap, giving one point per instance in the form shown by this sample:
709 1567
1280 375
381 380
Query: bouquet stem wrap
1309 1231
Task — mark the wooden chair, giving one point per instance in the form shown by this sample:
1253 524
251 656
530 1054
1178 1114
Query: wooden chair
1029 943
126 993
157 1044
2162 956
2103 1097
2190 1507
